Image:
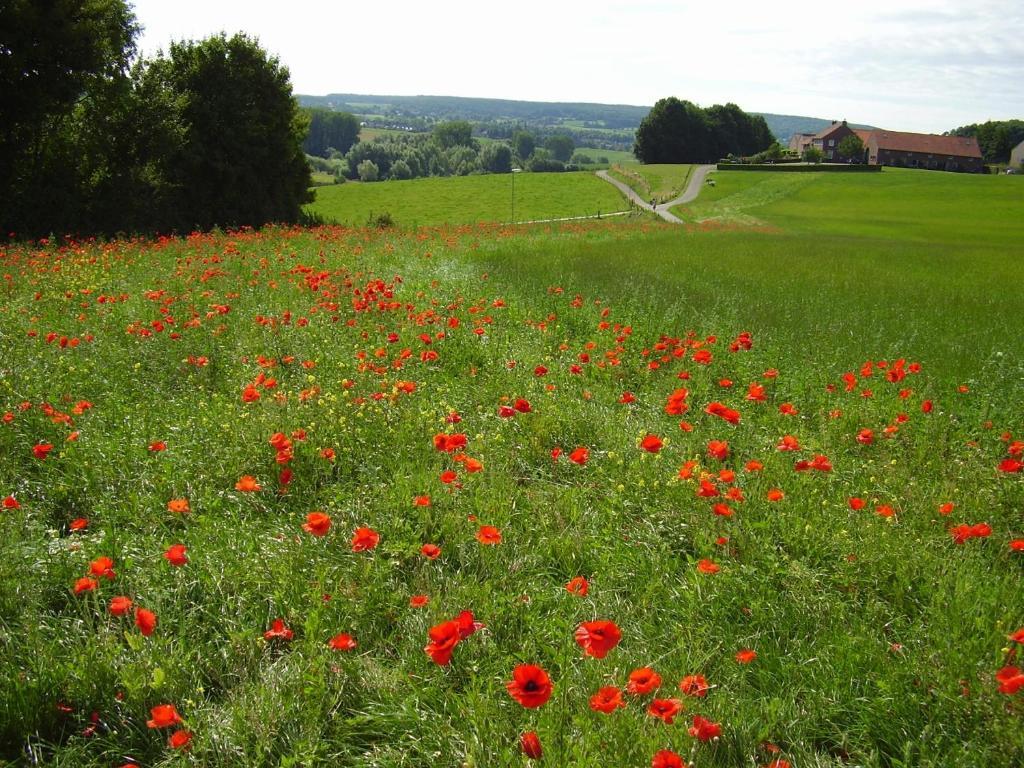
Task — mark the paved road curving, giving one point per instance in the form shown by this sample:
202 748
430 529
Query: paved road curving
693 188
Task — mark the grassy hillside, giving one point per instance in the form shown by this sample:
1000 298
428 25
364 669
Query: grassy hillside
663 182
469 199
780 464
902 204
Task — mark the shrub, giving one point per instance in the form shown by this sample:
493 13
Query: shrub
368 171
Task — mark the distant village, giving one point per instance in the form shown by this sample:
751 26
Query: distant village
897 148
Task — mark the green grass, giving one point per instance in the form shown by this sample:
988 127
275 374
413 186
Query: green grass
877 638
887 205
663 182
470 199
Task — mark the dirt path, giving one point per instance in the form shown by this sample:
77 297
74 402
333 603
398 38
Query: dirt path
692 190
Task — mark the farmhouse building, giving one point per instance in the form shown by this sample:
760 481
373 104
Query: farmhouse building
828 138
923 150
1017 156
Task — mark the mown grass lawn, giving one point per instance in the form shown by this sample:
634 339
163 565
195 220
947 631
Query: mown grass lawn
833 549
469 199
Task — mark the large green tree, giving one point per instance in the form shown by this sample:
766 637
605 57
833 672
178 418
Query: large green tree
242 161
561 146
677 131
53 55
674 131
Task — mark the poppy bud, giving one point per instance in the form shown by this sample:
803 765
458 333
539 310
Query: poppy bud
530 744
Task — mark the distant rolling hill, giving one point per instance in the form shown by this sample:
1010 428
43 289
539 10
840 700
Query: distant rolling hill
610 125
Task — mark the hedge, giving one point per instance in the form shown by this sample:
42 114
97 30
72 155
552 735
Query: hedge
839 168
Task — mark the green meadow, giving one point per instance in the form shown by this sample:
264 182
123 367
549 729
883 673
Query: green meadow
470 199
662 181
781 444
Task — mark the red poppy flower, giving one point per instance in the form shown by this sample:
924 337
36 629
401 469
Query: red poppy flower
580 456
1018 636
11 503
78 524
578 586
421 501
448 476
651 444
665 709
720 410
694 685
364 539
42 450
85 584
178 506
317 523
1010 679
718 449
947 508
708 566
449 443
506 411
1017 545
442 639
175 555
753 466
430 551
247 484
746 656
529 743
341 642
120 605
866 436
522 405
179 740
1011 465
775 494
627 397
788 443
488 535
418 601
163 716
643 681
530 685
596 638
704 729
145 620
856 503
607 700
102 566
779 763
666 758
278 631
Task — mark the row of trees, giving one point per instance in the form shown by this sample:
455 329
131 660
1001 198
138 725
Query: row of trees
329 130
93 140
677 131
996 138
451 150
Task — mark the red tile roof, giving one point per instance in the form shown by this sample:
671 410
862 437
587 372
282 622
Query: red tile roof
927 143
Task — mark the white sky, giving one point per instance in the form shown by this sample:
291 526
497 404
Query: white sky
916 65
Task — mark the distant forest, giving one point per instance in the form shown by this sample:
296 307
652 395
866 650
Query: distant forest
601 126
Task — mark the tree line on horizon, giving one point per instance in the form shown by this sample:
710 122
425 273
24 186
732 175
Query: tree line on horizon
996 138
94 140
450 149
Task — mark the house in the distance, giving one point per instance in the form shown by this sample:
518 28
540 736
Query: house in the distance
1017 156
828 138
923 150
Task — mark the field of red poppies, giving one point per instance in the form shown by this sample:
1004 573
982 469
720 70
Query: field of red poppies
476 497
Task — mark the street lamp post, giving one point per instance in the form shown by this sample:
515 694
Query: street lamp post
514 172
